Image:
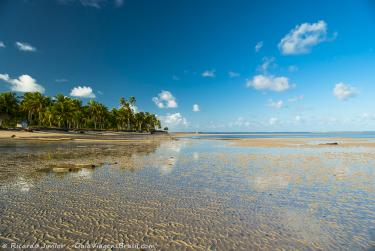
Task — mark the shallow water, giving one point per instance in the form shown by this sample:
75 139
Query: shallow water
255 135
181 194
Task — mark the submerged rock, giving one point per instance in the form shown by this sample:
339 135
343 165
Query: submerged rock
60 170
84 165
330 144
63 168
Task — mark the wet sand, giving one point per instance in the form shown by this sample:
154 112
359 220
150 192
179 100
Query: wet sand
88 136
303 142
188 194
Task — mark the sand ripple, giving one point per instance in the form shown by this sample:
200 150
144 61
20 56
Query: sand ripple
189 195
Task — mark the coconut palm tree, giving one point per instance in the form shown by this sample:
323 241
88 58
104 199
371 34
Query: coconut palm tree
139 119
64 112
34 104
102 115
9 106
48 117
132 101
127 112
98 113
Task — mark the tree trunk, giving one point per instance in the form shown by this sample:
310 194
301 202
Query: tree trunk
30 117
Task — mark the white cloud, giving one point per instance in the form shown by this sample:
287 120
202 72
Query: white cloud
175 77
196 108
134 108
296 98
165 99
119 3
267 82
240 122
298 119
92 3
2 45
275 104
273 121
82 92
267 63
367 116
98 4
303 37
208 74
233 74
258 46
343 91
292 68
174 119
25 47
24 83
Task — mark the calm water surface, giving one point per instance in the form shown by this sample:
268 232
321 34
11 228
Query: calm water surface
237 135
188 194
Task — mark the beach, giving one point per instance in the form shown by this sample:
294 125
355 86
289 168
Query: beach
182 193
89 136
187 125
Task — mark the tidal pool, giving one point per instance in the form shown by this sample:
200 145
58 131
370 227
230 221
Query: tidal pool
187 194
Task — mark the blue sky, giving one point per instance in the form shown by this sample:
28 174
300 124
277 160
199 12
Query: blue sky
245 65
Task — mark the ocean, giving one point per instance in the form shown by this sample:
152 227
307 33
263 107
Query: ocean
236 135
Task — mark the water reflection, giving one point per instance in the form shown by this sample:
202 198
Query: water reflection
190 196
195 156
84 173
33 159
22 184
166 157
265 183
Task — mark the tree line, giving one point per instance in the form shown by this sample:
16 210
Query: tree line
69 113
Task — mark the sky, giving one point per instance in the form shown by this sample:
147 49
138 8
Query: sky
219 66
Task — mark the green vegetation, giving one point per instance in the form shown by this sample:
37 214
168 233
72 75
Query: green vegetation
68 113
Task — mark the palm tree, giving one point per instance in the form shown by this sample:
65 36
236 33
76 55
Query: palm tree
98 113
8 108
34 103
102 115
127 112
48 117
68 113
122 102
113 119
78 113
63 111
132 101
139 119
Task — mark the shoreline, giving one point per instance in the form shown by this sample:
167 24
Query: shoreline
111 136
190 134
88 136
295 141
302 142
